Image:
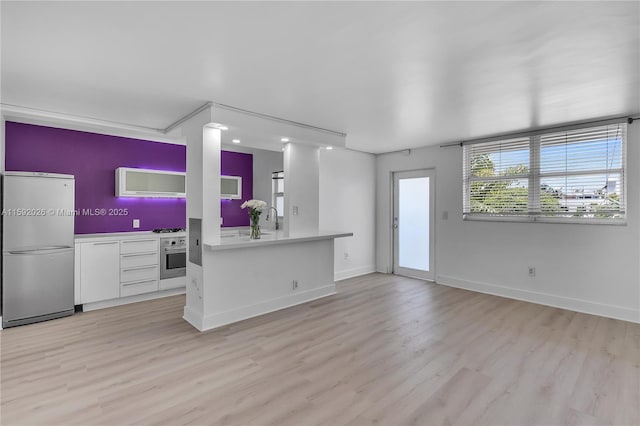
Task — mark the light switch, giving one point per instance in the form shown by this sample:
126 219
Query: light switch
445 215
136 223
295 210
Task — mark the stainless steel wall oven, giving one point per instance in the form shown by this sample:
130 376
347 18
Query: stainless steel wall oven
173 257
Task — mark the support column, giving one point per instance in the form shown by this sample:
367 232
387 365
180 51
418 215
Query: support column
203 202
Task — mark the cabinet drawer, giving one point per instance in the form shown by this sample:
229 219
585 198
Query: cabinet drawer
138 259
138 287
139 273
138 246
176 282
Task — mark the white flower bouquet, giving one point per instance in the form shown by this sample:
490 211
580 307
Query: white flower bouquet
255 209
258 205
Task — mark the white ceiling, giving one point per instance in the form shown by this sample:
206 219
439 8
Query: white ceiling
391 75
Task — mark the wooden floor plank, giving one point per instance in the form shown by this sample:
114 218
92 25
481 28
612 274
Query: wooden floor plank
383 350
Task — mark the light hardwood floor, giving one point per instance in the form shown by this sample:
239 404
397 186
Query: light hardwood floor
384 350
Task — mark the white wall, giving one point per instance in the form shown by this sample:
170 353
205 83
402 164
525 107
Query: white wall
588 268
301 186
347 203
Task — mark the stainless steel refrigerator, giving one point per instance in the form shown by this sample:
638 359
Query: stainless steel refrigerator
37 247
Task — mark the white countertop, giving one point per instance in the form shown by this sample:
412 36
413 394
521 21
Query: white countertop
126 235
269 239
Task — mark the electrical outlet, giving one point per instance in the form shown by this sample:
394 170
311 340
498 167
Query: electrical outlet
445 215
346 255
532 271
294 210
294 284
136 223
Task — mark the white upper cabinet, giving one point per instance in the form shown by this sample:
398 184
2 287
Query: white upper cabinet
231 187
132 182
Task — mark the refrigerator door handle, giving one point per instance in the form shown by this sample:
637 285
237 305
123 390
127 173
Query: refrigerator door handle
43 250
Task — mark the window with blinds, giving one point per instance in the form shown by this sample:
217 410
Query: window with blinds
575 174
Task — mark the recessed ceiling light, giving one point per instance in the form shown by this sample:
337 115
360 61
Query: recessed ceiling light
236 141
329 147
284 140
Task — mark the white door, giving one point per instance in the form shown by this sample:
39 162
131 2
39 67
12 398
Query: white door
413 223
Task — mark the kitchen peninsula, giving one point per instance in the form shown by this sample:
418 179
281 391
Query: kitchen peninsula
254 277
232 278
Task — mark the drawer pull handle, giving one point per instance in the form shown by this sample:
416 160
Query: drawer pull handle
137 282
139 267
105 243
138 241
140 254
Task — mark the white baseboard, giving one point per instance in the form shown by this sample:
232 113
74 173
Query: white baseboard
86 307
0 323
355 272
194 318
223 318
572 304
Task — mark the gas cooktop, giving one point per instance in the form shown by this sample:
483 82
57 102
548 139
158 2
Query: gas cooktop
166 230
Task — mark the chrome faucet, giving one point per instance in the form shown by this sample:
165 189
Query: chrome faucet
269 214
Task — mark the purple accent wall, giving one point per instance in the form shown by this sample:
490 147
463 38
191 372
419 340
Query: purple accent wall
236 164
93 158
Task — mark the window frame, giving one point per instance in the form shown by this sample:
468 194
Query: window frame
535 176
275 177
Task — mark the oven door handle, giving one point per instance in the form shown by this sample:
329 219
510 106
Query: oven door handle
175 250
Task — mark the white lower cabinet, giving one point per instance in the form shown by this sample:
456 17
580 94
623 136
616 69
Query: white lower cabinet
139 271
99 271
138 287
128 261
117 267
139 246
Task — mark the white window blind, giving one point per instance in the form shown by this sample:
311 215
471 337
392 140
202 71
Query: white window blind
497 174
574 174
